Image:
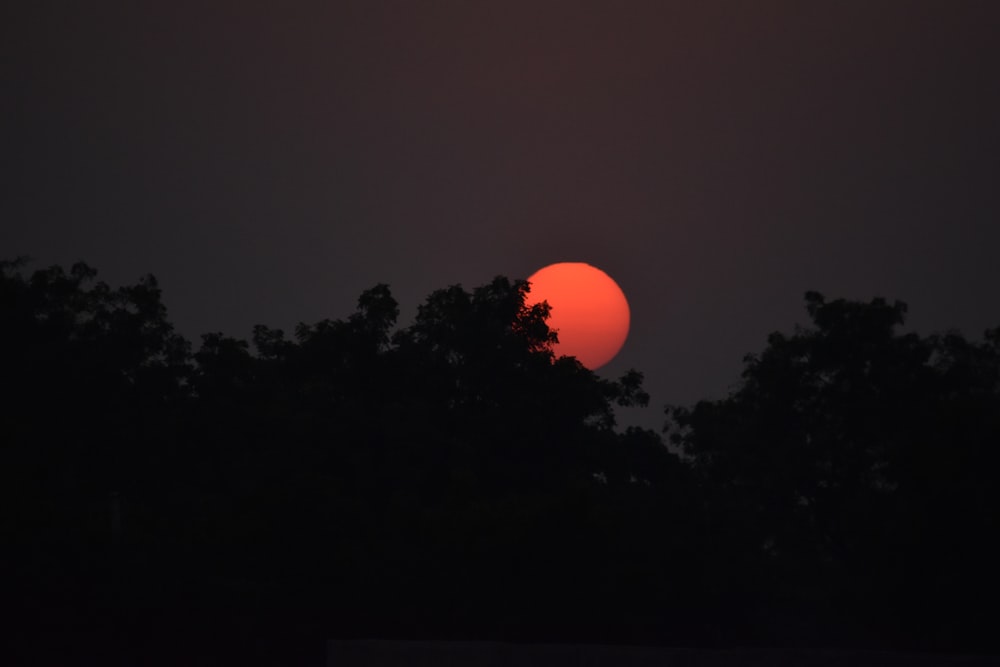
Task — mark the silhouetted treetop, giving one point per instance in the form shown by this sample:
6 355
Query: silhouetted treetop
490 323
451 477
851 453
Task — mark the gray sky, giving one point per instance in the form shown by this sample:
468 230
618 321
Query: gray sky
269 161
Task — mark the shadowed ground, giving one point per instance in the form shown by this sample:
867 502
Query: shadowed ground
365 653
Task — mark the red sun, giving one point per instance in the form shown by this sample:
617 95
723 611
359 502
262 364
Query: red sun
589 311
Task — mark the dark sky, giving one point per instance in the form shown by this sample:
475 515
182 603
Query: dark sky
269 161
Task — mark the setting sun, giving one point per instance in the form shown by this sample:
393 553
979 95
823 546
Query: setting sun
589 311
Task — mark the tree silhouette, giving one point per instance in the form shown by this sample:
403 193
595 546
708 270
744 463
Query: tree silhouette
851 463
93 380
451 478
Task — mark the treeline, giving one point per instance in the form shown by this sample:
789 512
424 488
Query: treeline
452 479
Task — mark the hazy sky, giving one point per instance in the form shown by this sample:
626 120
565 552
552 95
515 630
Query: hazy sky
269 161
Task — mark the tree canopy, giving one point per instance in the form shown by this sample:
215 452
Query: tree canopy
858 464
451 478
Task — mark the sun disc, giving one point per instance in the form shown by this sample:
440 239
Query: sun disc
589 311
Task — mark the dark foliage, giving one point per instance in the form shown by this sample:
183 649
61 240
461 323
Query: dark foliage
452 479
449 478
855 471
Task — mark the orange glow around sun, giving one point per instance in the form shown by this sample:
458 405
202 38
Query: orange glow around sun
589 312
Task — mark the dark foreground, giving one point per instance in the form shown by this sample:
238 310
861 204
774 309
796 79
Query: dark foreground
453 480
499 654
